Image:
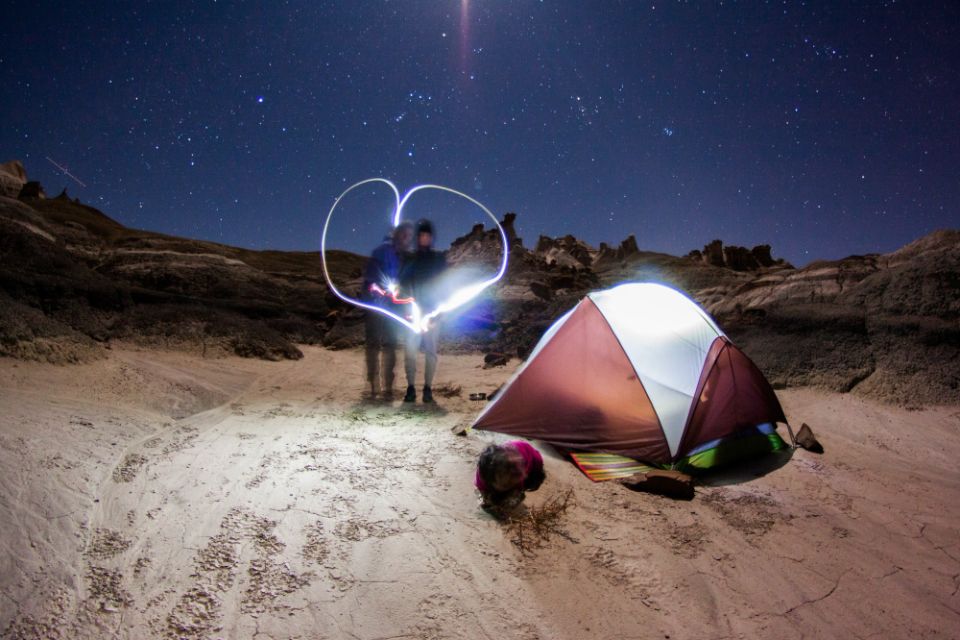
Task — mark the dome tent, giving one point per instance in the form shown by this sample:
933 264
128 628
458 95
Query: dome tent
641 371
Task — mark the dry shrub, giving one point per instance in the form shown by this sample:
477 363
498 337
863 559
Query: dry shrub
532 528
448 390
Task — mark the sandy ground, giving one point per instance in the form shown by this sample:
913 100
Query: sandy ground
158 494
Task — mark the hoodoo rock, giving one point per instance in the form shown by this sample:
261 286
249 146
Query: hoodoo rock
12 178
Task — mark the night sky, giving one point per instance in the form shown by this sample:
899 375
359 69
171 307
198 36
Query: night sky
823 129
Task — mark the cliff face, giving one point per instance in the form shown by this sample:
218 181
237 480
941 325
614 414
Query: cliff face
72 280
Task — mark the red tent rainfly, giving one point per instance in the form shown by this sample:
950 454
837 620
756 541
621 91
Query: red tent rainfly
639 370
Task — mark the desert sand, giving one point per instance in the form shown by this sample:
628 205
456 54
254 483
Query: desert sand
162 494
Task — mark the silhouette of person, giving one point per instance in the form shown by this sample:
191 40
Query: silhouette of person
382 332
419 278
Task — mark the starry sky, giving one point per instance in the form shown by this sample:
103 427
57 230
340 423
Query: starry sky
822 128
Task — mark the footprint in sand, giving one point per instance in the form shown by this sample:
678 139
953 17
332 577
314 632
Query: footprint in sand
751 514
183 439
356 529
197 613
626 574
268 462
57 461
105 590
687 541
127 470
106 544
315 549
81 422
51 624
436 606
141 565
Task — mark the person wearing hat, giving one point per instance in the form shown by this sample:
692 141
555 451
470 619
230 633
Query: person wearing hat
419 278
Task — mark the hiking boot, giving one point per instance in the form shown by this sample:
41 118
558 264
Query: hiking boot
427 395
411 394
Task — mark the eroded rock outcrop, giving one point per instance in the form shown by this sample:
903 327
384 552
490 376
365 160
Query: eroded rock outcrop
72 280
12 178
32 189
733 257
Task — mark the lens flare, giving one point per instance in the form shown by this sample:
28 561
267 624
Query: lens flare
417 321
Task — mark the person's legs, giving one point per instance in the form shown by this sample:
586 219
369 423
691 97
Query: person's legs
372 347
430 355
389 356
410 362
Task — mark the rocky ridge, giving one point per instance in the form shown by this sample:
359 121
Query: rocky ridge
72 280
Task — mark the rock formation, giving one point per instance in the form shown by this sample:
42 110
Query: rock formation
32 189
72 280
12 178
736 258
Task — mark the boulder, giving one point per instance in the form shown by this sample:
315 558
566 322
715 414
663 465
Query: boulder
807 440
12 178
495 360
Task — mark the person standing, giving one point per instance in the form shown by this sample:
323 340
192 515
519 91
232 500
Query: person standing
419 278
382 274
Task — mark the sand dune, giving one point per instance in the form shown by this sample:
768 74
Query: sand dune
154 494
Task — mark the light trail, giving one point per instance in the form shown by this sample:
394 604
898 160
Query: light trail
391 292
418 322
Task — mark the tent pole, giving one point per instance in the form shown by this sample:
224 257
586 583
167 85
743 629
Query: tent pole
793 440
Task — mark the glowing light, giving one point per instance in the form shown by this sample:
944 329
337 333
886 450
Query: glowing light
390 292
418 322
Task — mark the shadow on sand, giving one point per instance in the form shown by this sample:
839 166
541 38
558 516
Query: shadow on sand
366 403
746 471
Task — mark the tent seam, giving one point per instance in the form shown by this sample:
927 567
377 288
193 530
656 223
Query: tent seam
698 391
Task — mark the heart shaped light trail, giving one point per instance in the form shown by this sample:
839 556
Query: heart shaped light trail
419 321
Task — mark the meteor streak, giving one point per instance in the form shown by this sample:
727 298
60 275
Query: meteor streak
418 322
65 172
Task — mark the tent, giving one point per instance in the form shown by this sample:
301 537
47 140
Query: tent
641 371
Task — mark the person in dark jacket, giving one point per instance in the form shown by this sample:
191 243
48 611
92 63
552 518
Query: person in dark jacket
382 332
419 278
